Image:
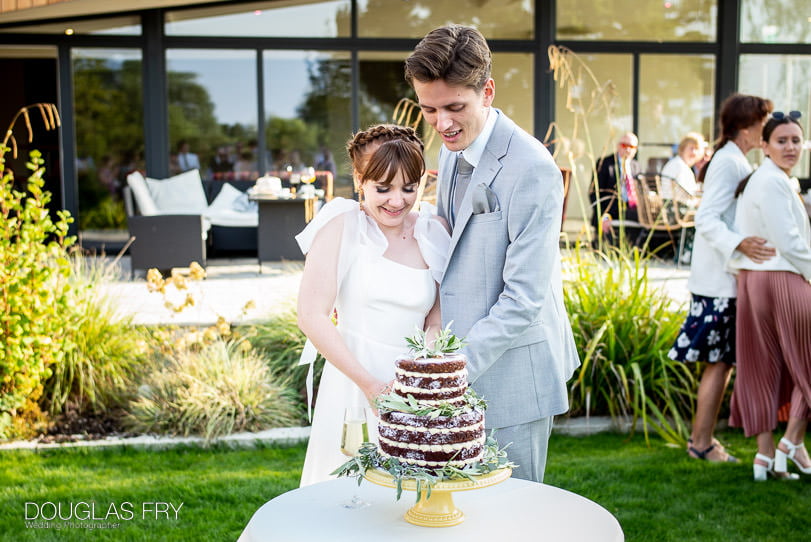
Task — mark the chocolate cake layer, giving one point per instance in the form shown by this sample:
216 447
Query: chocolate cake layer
427 382
466 418
433 458
405 434
435 396
446 364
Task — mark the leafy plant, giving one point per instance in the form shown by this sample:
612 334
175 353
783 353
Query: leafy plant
624 328
223 388
392 402
444 343
369 457
33 278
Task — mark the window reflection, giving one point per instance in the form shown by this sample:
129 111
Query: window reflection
108 108
765 21
784 80
116 26
593 107
675 97
682 20
212 97
496 19
263 19
307 100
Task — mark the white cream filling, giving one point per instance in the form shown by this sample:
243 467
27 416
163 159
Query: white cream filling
433 376
447 448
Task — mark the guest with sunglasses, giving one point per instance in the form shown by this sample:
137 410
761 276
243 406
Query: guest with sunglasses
612 195
774 305
708 333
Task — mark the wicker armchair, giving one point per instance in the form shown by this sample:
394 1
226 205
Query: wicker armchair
670 215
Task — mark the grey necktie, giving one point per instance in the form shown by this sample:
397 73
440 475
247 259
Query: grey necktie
460 182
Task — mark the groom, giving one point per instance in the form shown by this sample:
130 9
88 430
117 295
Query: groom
502 194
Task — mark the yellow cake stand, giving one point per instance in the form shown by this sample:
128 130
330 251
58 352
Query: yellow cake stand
438 510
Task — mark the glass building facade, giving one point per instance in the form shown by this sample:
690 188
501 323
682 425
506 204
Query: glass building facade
255 86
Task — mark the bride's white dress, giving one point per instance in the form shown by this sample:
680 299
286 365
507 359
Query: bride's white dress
379 303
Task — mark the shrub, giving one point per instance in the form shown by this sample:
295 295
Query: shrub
222 388
33 286
103 353
624 328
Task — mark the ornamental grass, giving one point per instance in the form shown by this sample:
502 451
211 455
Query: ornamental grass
623 329
217 389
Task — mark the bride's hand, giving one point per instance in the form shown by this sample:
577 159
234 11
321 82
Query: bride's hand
373 392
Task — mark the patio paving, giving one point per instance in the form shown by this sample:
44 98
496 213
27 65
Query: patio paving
230 284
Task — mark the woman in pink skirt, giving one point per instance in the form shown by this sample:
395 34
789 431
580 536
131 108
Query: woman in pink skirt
774 305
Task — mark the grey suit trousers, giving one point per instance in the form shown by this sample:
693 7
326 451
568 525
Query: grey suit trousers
528 448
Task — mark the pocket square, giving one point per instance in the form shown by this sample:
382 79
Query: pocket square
484 200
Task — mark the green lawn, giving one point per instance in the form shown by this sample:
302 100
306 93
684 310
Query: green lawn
657 493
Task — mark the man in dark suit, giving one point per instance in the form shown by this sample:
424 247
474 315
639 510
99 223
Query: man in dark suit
614 184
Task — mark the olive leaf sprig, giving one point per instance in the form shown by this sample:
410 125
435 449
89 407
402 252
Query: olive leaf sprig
392 402
444 343
369 457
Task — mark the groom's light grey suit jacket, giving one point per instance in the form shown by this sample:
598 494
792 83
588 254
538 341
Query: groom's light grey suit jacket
502 287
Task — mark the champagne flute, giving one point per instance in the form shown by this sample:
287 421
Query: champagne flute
355 433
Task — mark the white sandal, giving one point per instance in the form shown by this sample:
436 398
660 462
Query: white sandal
781 458
763 472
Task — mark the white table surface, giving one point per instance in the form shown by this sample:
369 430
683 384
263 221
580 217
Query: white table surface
512 510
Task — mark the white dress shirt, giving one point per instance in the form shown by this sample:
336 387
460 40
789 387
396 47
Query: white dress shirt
770 207
716 239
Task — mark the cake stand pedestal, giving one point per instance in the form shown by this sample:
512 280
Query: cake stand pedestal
438 510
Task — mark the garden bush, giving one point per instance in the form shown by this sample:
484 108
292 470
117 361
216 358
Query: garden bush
623 328
34 290
213 390
281 341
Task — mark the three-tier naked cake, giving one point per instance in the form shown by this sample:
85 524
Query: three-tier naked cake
431 419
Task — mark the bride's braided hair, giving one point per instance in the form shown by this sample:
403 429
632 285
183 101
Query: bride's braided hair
357 146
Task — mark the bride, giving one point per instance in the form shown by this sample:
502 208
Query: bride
377 264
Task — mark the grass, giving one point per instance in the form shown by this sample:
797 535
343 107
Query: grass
657 493
220 488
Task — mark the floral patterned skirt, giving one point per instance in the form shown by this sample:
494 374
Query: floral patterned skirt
708 334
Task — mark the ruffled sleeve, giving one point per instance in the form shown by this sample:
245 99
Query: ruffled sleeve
433 239
337 206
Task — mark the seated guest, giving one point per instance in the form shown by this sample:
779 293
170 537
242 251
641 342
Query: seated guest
221 165
680 168
614 183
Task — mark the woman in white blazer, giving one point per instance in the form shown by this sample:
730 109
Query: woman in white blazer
708 333
774 305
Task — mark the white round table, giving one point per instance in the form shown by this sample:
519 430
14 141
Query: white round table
512 510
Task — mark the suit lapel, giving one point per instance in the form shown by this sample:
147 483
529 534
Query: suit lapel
485 172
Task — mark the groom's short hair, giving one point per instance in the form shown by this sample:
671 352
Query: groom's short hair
456 54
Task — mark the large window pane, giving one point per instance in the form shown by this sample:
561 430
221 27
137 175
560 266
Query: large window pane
679 20
593 107
263 19
108 107
675 97
771 21
213 104
496 19
784 80
308 98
